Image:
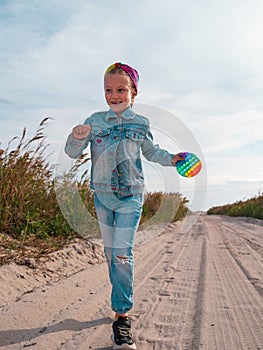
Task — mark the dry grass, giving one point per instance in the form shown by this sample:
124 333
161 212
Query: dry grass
30 217
164 207
28 201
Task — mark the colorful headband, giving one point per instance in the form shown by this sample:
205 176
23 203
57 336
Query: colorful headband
132 73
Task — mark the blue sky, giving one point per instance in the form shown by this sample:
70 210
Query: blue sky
200 61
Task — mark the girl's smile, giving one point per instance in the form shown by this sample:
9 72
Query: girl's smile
118 92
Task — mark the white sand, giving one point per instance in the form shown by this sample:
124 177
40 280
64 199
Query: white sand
197 290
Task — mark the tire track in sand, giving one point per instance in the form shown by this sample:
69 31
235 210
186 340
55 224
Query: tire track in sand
170 317
233 311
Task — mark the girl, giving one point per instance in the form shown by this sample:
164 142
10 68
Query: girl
117 138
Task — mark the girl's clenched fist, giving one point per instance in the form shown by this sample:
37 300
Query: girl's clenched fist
80 132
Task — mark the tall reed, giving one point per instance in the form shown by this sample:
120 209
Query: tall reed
27 194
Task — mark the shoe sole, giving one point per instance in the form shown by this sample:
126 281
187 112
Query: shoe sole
122 346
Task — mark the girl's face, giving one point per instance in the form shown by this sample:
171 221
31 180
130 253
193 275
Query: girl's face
118 92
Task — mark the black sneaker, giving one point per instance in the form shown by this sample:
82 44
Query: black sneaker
122 336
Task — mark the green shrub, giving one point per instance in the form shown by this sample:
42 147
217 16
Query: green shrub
252 207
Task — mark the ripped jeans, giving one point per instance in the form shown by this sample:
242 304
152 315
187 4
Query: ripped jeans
118 220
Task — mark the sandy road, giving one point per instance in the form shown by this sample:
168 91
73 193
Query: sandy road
197 290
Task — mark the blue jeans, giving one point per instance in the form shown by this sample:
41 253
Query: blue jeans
118 219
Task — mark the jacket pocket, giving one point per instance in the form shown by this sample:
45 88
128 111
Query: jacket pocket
101 138
134 135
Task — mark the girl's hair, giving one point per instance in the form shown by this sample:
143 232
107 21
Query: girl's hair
120 71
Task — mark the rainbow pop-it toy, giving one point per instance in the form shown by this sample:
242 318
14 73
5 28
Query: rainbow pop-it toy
189 166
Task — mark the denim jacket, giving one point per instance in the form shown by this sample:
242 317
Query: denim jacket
116 145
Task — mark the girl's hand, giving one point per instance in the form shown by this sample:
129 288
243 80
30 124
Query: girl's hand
177 157
80 132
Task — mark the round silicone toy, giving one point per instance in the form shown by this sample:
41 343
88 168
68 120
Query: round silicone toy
189 166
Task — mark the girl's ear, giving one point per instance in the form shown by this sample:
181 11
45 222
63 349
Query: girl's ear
134 94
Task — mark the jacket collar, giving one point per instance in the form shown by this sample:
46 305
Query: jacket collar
128 114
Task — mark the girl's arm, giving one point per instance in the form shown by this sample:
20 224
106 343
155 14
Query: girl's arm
154 153
78 140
